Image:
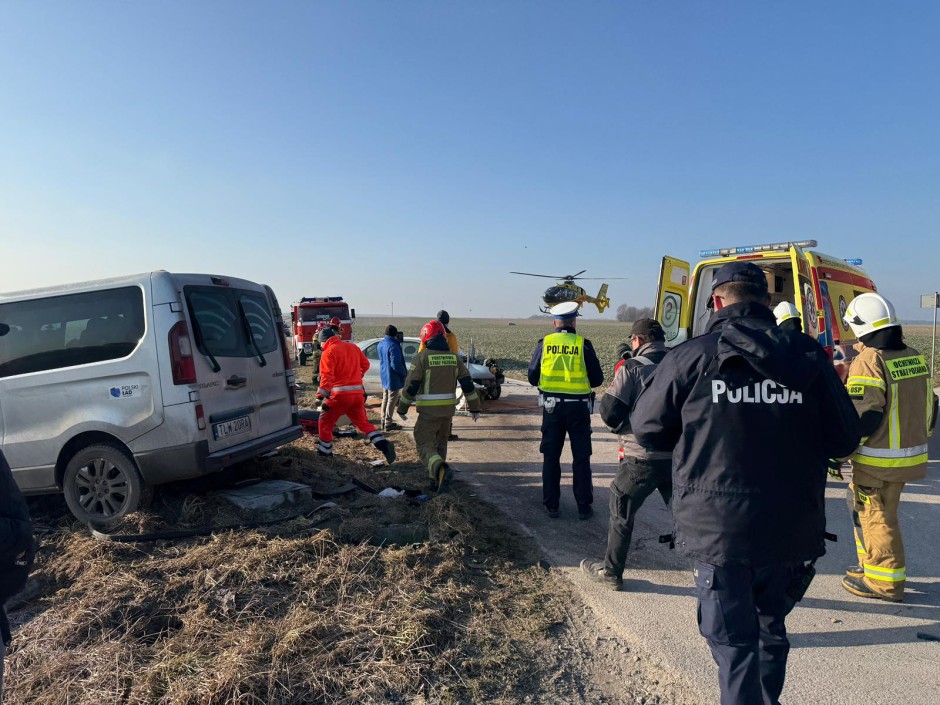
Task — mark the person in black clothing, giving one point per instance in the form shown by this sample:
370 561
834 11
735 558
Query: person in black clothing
747 509
565 368
641 472
17 546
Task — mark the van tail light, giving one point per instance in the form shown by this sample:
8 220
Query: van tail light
289 374
181 355
200 418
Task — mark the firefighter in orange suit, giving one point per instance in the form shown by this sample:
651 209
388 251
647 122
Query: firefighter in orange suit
892 389
341 392
432 387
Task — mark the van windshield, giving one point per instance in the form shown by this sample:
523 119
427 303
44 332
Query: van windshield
217 324
311 314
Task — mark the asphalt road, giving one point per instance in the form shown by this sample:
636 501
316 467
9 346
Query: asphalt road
846 650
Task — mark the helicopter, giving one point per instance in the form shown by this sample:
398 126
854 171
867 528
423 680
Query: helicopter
567 290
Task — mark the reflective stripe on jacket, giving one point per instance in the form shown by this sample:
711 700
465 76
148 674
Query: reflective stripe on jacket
563 368
432 382
898 384
341 368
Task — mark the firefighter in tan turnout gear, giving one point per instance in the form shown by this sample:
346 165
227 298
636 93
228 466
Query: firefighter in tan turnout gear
892 389
432 387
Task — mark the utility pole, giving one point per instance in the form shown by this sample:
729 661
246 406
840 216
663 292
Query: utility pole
393 309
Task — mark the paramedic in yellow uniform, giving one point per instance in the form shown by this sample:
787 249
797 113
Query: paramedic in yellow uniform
892 389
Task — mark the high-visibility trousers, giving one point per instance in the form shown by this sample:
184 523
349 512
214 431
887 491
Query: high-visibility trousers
354 406
878 536
431 434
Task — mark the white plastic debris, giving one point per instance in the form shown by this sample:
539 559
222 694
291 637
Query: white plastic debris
391 492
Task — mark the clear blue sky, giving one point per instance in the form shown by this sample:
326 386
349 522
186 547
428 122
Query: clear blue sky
416 152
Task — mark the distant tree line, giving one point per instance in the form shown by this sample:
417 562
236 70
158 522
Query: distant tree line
628 314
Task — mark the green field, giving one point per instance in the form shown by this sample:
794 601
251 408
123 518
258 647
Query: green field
511 341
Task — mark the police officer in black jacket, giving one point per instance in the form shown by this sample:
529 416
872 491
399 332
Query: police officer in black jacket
748 509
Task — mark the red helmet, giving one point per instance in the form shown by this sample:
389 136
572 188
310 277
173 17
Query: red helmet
334 322
431 329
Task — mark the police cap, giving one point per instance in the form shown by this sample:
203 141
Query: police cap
740 272
565 311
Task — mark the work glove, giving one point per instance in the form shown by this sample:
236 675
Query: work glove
403 415
834 468
323 404
475 415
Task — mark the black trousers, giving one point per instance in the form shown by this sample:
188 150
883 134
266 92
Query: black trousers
635 481
741 614
573 418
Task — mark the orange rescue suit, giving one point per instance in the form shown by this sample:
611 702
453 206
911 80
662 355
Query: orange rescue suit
342 366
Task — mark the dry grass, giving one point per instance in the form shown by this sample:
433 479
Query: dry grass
294 613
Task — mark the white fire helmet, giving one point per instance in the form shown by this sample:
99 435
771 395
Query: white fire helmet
868 313
785 310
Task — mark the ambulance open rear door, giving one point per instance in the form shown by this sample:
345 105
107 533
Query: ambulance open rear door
672 300
804 295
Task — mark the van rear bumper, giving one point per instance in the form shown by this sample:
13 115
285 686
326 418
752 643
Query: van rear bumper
222 459
193 459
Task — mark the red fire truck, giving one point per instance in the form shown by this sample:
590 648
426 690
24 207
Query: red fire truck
311 313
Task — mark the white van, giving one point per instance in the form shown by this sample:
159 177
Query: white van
112 386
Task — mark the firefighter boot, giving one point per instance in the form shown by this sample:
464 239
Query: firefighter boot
857 586
444 475
388 450
855 571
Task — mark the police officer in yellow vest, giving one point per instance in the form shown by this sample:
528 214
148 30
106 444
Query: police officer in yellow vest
565 368
892 390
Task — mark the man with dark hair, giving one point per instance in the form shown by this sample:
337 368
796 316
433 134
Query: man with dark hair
641 471
393 371
565 368
748 509
444 319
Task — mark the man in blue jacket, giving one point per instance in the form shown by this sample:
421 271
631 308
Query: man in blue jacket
751 413
393 372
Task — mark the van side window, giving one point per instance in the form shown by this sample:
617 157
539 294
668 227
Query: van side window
75 329
219 329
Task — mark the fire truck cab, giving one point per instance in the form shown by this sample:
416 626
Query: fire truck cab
819 285
310 314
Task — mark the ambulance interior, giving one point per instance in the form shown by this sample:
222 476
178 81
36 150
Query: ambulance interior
779 273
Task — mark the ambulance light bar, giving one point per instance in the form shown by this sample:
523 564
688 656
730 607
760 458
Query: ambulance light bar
856 261
751 249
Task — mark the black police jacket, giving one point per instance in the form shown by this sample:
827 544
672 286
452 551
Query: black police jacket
751 413
16 534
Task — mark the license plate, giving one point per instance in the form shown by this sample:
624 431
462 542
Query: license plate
233 427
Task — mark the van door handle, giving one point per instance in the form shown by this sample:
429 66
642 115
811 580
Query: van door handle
234 382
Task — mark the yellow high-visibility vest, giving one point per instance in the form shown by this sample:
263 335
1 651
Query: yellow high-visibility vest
563 367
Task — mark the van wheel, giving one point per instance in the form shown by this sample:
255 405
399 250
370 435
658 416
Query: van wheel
496 391
303 359
102 485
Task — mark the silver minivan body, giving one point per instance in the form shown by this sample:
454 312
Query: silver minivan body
181 374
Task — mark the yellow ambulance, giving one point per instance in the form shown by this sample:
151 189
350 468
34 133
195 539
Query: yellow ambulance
821 287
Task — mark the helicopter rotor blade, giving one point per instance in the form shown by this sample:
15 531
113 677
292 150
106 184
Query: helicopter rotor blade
598 279
545 276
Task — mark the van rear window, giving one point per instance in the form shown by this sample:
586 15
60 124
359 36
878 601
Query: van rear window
75 329
220 330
